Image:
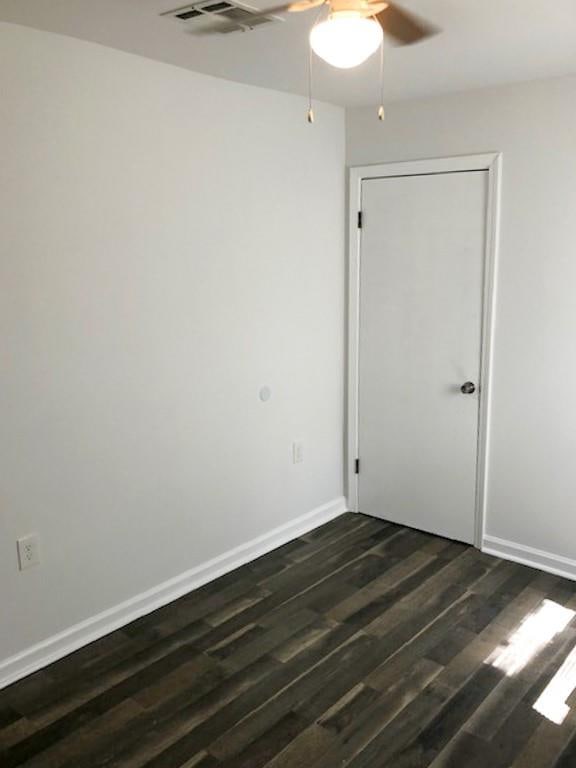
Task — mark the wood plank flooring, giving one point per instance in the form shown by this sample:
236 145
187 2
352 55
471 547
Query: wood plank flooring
361 644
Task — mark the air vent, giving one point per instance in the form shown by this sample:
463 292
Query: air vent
233 16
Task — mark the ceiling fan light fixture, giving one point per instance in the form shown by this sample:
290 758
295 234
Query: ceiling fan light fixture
346 39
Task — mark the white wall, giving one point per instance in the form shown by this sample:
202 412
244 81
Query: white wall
532 477
169 243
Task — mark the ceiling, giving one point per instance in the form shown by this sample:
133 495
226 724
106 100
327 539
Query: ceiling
484 42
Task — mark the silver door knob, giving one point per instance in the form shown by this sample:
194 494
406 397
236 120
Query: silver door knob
468 388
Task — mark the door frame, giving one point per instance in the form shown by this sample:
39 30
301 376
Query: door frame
491 162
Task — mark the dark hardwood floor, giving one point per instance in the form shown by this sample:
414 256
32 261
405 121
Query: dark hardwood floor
361 644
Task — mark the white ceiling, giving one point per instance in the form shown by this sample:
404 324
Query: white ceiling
484 42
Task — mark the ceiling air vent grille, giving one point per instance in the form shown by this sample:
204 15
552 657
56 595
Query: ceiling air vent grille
234 17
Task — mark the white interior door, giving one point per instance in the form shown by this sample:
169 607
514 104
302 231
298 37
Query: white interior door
421 278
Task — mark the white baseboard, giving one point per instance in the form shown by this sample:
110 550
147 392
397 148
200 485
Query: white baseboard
75 637
536 558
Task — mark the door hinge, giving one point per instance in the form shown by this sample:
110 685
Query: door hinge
359 219
357 467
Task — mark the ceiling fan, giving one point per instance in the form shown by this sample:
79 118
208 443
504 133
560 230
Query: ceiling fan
351 32
354 29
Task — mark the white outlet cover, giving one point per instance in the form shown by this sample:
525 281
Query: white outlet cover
28 551
298 451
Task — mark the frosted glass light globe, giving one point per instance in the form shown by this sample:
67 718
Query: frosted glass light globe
346 40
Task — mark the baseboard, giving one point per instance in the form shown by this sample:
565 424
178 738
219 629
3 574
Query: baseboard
79 635
536 558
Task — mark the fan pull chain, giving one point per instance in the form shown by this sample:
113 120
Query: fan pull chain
310 113
381 112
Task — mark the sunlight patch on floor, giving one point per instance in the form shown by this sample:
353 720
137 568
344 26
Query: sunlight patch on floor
533 634
552 702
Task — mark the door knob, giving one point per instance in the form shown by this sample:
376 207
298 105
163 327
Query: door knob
468 388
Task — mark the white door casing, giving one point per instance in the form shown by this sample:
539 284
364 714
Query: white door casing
421 317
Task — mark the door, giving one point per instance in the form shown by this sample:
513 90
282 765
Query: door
421 282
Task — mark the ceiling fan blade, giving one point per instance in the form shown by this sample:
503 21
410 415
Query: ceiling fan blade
403 26
229 25
305 5
374 7
296 7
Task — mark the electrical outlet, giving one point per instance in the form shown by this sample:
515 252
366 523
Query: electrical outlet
28 551
297 452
